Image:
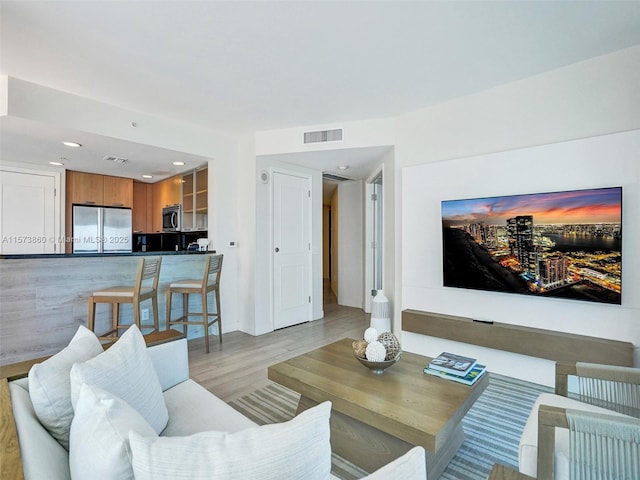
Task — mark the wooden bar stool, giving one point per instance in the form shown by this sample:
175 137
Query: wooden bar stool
149 270
210 282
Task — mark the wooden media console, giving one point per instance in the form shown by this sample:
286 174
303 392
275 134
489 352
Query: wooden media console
534 342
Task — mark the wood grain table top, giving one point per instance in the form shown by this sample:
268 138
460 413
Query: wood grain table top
502 472
403 401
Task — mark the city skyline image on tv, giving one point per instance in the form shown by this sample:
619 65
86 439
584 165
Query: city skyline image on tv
559 244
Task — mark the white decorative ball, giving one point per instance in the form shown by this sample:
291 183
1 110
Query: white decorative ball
371 335
375 352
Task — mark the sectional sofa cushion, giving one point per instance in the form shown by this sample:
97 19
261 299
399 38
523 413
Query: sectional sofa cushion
99 436
49 385
296 450
193 409
126 371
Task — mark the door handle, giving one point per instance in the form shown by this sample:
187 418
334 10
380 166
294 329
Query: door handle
277 249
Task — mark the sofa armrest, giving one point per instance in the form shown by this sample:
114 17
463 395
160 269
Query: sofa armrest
606 431
563 370
171 361
11 465
548 419
597 371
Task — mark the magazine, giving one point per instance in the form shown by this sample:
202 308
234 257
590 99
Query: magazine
472 377
454 364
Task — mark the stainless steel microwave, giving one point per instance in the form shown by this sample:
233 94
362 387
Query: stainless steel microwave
172 218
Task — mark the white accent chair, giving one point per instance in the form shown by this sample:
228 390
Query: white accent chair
594 435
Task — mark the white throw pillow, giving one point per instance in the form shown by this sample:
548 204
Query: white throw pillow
49 386
99 437
126 371
295 450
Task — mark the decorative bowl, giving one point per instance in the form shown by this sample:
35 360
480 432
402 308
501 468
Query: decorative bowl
377 367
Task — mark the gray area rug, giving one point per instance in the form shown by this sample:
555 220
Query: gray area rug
492 427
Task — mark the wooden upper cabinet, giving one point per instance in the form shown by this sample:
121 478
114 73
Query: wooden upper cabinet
93 189
142 211
167 192
118 192
85 188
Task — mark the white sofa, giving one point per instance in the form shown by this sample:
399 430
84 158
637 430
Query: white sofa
191 409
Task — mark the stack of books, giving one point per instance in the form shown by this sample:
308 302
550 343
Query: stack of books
456 367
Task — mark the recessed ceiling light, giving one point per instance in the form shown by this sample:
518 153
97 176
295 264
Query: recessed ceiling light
343 167
72 144
147 176
178 164
57 164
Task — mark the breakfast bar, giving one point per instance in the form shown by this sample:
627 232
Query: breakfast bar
43 298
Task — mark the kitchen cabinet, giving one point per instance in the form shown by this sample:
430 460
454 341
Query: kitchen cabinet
142 212
195 199
93 189
167 192
84 188
118 191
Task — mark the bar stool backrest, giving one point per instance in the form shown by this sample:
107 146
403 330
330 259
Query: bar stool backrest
148 267
213 267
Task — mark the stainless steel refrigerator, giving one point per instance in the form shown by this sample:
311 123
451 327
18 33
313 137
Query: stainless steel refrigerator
101 229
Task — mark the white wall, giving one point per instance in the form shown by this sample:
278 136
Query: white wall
351 244
390 233
588 99
4 94
231 201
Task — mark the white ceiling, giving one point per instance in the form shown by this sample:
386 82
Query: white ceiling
239 66
37 143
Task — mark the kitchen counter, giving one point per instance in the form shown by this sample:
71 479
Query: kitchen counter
45 297
89 255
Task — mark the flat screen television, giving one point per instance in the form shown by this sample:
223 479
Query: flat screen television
558 244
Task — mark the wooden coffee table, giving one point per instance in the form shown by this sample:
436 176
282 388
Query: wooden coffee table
377 418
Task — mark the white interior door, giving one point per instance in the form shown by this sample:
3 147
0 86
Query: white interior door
27 213
291 249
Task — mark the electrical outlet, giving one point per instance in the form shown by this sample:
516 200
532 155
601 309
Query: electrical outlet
145 314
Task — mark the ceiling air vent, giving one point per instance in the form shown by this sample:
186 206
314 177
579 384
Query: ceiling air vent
334 177
323 136
115 159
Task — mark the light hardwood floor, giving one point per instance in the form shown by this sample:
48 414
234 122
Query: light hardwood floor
239 365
